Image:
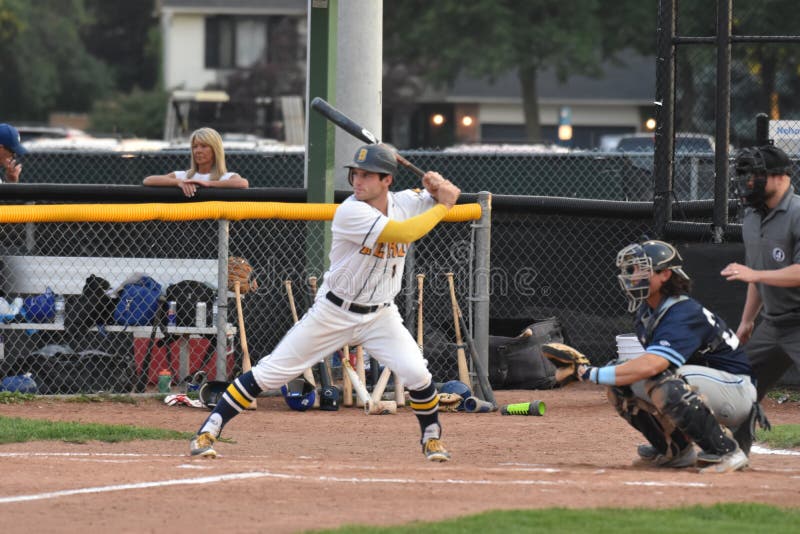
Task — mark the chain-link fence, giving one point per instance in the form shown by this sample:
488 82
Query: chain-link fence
79 316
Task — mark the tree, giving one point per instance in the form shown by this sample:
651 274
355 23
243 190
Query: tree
45 64
486 38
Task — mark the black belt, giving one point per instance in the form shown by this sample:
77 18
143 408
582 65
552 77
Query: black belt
353 307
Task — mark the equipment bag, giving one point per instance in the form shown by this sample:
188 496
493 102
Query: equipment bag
93 307
40 308
186 294
518 363
138 302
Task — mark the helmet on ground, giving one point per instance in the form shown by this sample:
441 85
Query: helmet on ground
211 392
459 388
299 394
375 158
638 262
753 165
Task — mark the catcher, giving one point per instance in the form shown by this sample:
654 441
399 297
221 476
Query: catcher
692 385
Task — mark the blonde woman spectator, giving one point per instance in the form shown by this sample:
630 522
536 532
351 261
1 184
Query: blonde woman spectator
207 167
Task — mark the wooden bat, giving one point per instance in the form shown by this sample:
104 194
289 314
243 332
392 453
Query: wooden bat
483 376
370 407
347 384
463 370
246 364
308 374
362 377
356 130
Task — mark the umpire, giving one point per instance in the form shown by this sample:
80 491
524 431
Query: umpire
771 234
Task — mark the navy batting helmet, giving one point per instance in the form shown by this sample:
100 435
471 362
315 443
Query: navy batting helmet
211 392
299 394
375 158
459 388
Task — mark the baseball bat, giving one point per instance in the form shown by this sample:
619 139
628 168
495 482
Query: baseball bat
370 407
347 384
483 377
324 369
463 370
246 364
356 130
308 374
362 376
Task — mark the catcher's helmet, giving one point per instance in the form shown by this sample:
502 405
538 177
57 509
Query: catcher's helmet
375 158
459 388
211 392
299 394
638 262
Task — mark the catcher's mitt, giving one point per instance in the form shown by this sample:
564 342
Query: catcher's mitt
567 361
450 402
240 270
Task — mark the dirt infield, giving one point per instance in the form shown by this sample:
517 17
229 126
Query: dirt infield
290 471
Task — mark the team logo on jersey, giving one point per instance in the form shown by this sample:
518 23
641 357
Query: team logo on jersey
778 254
384 250
664 343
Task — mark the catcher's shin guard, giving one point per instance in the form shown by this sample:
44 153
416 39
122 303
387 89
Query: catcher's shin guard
425 403
640 416
690 414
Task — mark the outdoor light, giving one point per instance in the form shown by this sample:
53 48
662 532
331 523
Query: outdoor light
564 132
466 120
564 123
650 124
437 119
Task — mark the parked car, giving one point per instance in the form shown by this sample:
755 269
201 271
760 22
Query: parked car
34 133
685 143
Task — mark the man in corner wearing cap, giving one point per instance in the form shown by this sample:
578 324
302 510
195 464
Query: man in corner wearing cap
371 232
771 235
10 147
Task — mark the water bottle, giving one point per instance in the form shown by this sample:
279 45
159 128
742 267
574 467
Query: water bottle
164 381
2 348
172 313
200 316
60 309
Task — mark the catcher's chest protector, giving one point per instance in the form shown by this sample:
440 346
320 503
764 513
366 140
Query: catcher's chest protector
187 294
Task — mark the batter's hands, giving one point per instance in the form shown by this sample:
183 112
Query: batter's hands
441 189
737 271
13 169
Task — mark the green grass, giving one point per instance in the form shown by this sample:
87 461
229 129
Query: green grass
780 437
17 430
782 395
717 519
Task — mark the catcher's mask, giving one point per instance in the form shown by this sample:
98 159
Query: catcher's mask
211 392
299 394
753 165
459 388
373 158
638 262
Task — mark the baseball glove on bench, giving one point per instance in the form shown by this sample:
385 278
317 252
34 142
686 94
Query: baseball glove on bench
567 361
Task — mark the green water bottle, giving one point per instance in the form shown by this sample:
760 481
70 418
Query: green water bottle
164 381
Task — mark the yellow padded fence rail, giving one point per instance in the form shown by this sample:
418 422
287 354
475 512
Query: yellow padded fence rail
232 211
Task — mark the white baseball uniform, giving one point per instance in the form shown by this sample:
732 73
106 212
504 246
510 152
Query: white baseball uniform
355 303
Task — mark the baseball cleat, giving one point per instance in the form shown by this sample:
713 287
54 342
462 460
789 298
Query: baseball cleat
686 458
203 445
434 450
733 461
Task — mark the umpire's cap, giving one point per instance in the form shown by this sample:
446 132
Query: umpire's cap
375 158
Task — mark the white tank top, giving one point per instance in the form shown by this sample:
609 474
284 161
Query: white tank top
181 175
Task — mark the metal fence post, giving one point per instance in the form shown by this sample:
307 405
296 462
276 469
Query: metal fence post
483 237
222 299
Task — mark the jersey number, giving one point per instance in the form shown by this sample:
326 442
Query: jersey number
727 335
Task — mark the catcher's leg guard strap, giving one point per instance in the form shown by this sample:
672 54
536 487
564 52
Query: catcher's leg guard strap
689 413
425 403
641 417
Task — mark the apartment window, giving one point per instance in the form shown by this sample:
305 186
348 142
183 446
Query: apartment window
235 42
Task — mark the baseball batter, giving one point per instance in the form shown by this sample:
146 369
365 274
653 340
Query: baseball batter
371 230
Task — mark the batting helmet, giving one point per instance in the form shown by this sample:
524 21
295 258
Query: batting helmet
375 158
329 399
459 388
211 392
299 394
